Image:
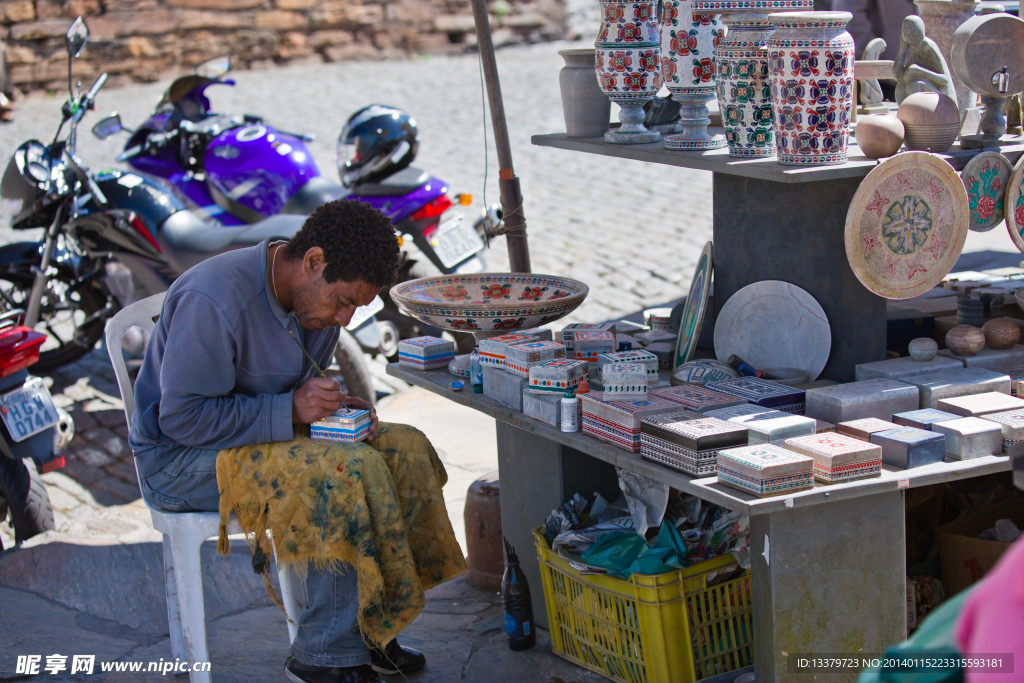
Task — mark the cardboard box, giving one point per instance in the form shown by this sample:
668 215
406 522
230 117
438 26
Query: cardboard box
425 353
963 556
493 349
519 358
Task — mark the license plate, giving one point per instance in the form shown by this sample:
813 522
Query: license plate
455 241
28 410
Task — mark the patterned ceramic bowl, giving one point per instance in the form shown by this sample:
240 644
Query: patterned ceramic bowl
487 302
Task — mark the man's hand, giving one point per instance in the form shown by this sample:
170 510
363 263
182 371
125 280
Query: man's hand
316 399
360 404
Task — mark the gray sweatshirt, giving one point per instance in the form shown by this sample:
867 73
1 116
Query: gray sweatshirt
220 368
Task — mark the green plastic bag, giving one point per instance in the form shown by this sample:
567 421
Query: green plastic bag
668 537
616 552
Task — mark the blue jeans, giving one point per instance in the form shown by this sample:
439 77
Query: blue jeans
329 633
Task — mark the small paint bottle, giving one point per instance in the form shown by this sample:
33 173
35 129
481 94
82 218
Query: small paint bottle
476 372
570 412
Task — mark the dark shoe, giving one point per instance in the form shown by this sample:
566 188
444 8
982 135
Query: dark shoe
396 659
297 672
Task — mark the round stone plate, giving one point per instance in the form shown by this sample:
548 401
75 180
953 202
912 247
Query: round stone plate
985 178
1014 204
696 301
906 225
773 324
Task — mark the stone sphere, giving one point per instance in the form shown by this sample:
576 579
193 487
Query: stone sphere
923 348
928 109
965 340
879 135
1000 333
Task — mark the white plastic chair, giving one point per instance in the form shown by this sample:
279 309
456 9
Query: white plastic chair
184 533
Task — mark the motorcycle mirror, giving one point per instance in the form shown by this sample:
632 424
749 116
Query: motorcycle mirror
214 68
108 126
76 37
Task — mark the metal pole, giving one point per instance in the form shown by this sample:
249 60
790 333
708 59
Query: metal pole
508 183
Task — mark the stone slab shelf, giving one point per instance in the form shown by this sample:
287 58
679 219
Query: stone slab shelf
719 161
708 488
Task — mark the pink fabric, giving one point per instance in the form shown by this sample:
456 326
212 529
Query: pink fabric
992 620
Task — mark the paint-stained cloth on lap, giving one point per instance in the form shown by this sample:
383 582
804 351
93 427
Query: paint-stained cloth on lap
376 506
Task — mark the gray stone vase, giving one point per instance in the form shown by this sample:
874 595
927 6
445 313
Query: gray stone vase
586 107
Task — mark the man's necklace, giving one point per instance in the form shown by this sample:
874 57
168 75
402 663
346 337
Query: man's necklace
273 283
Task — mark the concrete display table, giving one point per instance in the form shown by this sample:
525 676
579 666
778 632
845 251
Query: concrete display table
828 564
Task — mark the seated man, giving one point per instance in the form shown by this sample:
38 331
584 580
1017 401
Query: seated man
232 378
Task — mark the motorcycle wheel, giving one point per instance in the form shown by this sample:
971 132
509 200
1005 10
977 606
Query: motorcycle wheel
65 315
28 504
352 363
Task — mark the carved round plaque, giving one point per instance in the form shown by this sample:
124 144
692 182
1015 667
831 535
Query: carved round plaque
1013 205
985 177
906 225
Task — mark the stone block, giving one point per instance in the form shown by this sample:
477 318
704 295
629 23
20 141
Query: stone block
970 437
455 23
869 398
296 4
922 419
898 368
224 4
863 429
128 23
823 427
935 386
280 20
14 11
36 30
504 387
544 407
199 19
977 405
989 358
909 447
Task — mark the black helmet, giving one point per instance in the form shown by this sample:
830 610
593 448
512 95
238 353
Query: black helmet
376 142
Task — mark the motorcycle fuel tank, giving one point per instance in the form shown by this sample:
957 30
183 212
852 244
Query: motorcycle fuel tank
252 171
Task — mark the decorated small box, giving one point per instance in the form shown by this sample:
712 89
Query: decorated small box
648 359
541 333
922 419
1012 424
743 410
567 332
647 338
970 437
691 445
696 398
555 376
618 422
863 428
347 424
588 345
977 405
909 447
425 353
838 457
1016 374
624 381
765 470
493 350
762 392
519 358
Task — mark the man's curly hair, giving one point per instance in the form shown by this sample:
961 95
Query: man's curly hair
359 242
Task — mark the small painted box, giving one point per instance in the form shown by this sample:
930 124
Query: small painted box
909 447
762 392
1012 424
349 425
425 353
654 336
649 361
970 437
504 387
765 470
696 398
690 445
871 398
624 381
863 429
555 376
618 422
493 349
898 368
567 332
935 386
588 345
519 358
766 425
977 405
1016 374
541 333
544 407
922 419
838 457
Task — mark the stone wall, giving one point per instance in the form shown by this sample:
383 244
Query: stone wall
144 40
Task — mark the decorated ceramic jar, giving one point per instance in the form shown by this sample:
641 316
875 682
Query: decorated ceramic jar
744 88
627 58
688 43
811 61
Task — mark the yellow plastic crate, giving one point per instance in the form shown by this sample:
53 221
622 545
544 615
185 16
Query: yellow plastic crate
665 628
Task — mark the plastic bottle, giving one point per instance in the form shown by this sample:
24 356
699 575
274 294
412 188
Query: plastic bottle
570 412
476 372
515 598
